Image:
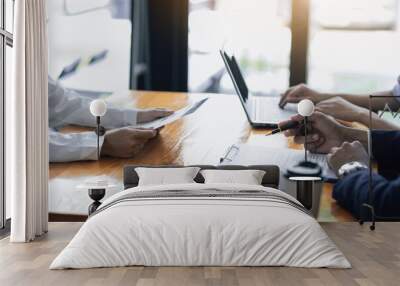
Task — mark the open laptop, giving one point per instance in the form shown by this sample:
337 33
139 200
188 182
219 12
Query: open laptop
261 111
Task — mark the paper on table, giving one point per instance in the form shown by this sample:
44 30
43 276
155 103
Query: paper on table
158 123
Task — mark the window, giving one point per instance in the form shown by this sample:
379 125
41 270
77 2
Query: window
6 42
256 31
334 45
354 45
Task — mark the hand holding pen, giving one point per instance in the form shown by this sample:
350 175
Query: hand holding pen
305 109
290 124
323 133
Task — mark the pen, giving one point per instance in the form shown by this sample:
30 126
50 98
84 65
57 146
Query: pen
287 126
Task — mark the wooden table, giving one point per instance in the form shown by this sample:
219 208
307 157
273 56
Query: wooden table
200 138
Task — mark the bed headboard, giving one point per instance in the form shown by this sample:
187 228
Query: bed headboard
271 177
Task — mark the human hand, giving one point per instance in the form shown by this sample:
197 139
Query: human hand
148 115
323 132
341 109
126 142
299 92
346 153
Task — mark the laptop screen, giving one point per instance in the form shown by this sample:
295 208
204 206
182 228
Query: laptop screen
237 74
238 80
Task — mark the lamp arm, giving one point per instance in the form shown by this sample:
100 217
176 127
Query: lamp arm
305 138
98 136
100 131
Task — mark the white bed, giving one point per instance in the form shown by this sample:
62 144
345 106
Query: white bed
250 226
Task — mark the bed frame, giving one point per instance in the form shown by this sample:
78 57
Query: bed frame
270 179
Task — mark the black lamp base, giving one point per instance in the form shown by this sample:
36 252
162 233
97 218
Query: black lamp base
96 195
304 193
305 173
305 169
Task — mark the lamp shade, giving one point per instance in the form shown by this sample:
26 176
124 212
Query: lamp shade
98 107
305 107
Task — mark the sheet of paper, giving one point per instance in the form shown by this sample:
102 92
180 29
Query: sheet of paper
191 108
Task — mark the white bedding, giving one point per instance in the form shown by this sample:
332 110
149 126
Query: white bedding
200 231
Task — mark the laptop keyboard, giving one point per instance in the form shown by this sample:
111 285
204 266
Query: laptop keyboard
266 109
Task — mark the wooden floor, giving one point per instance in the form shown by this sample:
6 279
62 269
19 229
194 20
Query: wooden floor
375 257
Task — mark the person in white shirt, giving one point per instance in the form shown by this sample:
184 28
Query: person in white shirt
121 140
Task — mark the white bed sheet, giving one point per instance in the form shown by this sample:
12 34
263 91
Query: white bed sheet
200 232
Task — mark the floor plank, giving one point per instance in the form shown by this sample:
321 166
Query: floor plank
375 257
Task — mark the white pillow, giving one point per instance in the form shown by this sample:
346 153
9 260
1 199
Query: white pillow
248 177
166 176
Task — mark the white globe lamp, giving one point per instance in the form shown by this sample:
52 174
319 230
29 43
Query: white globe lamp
306 174
305 108
98 108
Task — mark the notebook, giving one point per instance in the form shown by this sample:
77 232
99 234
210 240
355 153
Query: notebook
245 154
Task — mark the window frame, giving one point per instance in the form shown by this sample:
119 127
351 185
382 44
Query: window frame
300 26
6 39
164 42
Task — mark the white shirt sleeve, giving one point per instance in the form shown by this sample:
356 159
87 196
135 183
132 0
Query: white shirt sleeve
68 107
73 146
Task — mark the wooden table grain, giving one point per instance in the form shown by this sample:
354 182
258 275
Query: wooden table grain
200 138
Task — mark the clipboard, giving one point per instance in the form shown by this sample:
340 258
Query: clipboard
230 154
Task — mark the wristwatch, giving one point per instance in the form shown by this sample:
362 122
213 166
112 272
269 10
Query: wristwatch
351 167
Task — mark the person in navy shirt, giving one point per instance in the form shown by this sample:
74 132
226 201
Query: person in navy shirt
347 148
347 155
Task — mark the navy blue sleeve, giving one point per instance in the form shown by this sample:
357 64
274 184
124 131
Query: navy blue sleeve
386 149
352 191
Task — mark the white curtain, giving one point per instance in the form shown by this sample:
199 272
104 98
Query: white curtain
27 123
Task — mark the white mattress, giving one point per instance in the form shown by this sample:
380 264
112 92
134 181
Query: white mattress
200 231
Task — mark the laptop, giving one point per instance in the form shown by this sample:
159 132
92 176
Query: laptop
261 111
